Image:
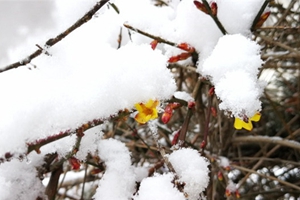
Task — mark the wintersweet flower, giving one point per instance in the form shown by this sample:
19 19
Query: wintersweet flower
146 111
246 123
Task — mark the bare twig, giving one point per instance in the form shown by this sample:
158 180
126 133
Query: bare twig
272 140
53 41
189 114
214 17
266 176
159 39
284 46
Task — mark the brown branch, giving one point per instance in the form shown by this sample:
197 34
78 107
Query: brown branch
284 46
51 188
189 114
159 39
53 41
266 176
36 145
272 140
260 12
214 17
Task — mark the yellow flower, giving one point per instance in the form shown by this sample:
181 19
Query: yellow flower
246 123
146 111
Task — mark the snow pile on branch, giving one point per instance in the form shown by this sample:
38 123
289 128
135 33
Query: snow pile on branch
76 91
118 182
192 170
159 187
233 67
18 179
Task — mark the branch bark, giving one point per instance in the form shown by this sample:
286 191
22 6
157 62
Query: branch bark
53 41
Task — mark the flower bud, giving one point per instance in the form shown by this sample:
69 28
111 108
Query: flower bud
165 118
175 138
75 163
262 19
201 6
214 8
154 44
220 176
186 47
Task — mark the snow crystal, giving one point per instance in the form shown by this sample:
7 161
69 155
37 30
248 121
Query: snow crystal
159 187
119 173
192 169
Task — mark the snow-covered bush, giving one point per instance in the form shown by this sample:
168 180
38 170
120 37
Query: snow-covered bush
83 109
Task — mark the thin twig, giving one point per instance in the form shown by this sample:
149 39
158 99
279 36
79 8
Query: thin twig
53 41
284 46
266 176
272 140
260 12
214 17
189 114
159 39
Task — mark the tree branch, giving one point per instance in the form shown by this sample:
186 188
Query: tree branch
53 41
273 140
260 12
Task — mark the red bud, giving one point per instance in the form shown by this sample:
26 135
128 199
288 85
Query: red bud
154 44
211 91
262 19
179 57
227 168
220 176
176 137
203 145
213 111
214 8
191 104
165 118
186 47
228 193
201 6
75 163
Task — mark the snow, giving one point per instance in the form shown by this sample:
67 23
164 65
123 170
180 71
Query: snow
19 177
159 187
118 182
184 96
88 77
49 101
192 169
233 67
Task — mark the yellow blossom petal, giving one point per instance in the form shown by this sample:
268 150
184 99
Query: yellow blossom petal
256 117
239 124
146 111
